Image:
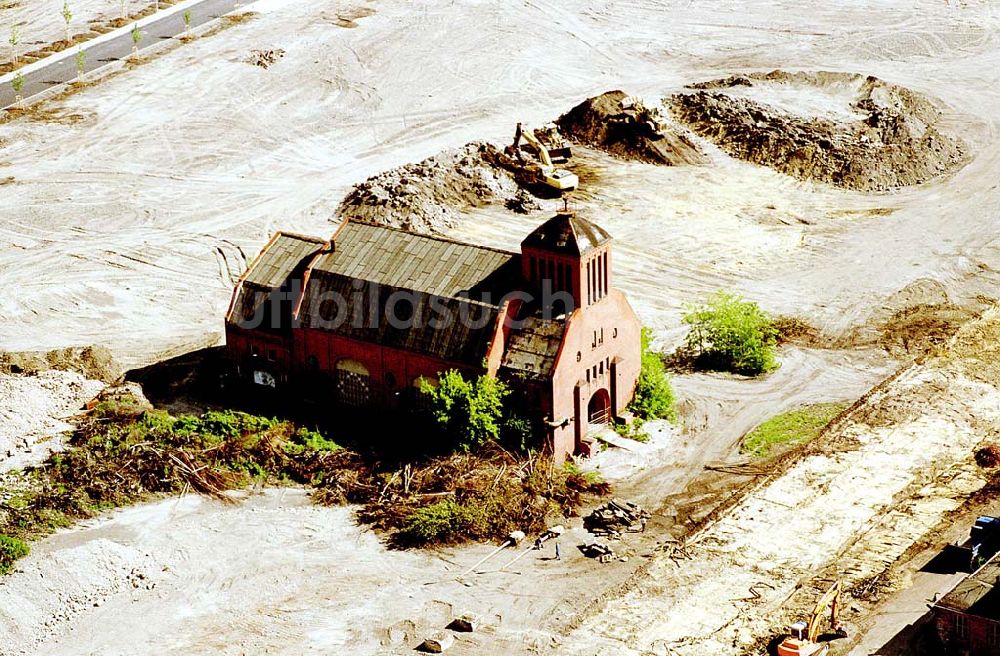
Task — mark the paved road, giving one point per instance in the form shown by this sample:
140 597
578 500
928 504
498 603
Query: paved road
111 50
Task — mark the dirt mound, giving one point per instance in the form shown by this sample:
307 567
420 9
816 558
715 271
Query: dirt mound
615 123
921 328
430 196
93 362
848 130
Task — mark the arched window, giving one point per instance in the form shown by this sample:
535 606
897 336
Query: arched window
353 384
421 399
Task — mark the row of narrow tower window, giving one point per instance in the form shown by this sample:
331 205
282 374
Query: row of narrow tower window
561 275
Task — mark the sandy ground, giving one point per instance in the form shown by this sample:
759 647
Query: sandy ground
41 22
127 226
35 409
894 469
189 568
131 210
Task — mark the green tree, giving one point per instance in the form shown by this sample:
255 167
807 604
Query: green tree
67 16
81 62
187 20
732 334
136 38
17 83
654 396
15 37
469 412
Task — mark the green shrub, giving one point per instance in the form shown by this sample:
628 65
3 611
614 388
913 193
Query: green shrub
732 334
441 522
654 396
469 413
304 439
633 430
10 550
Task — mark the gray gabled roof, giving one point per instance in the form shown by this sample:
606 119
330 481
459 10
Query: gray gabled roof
405 260
568 234
280 257
446 328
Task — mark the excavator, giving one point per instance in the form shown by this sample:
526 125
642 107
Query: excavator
558 148
559 179
804 635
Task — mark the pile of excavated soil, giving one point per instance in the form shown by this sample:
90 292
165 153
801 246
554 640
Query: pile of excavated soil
844 129
921 328
93 362
604 123
429 196
914 321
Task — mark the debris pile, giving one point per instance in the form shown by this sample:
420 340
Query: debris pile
848 130
616 517
264 58
430 196
921 328
624 127
602 552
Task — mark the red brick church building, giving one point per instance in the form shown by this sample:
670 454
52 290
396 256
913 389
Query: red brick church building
373 310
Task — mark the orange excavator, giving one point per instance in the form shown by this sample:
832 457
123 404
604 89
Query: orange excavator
803 640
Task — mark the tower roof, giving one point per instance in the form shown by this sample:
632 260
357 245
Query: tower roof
567 233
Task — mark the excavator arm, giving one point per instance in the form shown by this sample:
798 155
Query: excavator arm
830 598
543 153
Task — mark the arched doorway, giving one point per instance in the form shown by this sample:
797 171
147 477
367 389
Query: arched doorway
599 407
353 384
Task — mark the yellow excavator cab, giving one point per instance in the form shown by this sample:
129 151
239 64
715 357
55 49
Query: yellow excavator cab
804 635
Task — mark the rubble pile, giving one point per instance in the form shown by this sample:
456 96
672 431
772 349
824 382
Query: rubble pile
264 58
887 136
601 552
622 126
616 517
430 196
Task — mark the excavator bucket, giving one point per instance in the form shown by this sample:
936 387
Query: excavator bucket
560 155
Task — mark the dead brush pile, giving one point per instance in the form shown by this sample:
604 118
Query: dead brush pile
462 497
124 452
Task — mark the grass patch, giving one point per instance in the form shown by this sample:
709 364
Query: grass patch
788 429
632 431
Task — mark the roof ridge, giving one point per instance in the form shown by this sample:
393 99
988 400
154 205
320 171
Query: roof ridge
422 235
299 235
369 281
